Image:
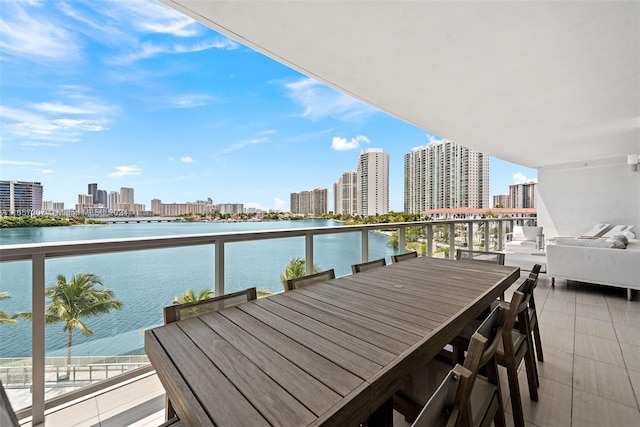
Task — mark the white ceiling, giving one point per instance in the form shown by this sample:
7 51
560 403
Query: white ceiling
535 83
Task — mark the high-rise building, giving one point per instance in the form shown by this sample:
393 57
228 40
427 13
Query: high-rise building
345 194
114 199
501 201
126 195
294 203
319 201
373 182
445 175
309 202
20 197
522 195
101 199
92 189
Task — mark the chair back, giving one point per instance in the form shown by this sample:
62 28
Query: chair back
176 312
533 275
7 416
359 268
299 282
480 256
441 408
484 342
403 257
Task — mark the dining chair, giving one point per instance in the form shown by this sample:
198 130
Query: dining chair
176 312
7 416
364 266
403 257
463 398
471 255
299 282
515 346
534 328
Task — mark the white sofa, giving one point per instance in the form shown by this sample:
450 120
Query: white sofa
592 264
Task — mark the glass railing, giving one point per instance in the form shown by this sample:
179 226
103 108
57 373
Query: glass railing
146 273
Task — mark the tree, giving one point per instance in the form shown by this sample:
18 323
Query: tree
4 317
83 296
296 268
191 296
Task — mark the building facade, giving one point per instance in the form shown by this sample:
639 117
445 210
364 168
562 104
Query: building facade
126 195
309 202
20 197
501 201
522 195
445 175
372 182
345 194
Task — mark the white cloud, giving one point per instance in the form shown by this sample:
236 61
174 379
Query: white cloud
35 36
126 171
190 101
21 163
320 101
46 171
520 178
340 144
186 159
149 50
51 121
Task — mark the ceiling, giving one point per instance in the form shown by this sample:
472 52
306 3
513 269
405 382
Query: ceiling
531 82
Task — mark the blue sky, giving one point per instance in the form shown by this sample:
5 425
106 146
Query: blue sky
134 94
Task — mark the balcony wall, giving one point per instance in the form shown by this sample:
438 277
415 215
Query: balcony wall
573 197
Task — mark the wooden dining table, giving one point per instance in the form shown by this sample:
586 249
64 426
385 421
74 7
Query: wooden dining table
329 354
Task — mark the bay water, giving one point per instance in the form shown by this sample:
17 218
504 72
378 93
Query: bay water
145 281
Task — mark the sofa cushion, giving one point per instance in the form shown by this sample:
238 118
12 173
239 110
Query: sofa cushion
597 230
619 241
618 229
612 243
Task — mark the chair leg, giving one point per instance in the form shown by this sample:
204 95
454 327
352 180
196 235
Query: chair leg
169 411
494 378
536 336
530 365
514 392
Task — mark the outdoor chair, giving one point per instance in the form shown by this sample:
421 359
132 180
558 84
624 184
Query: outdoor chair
533 329
7 416
480 256
525 239
299 282
516 345
463 398
364 266
176 312
403 257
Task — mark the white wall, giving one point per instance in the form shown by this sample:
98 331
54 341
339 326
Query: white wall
573 197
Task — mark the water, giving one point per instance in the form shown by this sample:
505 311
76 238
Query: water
148 280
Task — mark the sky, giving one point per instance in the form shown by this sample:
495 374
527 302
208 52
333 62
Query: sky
135 94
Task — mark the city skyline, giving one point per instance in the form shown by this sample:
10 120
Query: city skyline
133 94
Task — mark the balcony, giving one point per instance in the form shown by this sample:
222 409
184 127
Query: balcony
590 376
588 332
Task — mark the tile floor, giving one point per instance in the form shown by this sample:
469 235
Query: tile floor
590 376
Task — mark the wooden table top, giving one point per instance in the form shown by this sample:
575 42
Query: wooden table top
328 354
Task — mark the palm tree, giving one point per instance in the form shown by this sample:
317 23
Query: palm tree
296 268
72 300
190 296
4 317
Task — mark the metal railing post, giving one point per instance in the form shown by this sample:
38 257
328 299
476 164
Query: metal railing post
365 245
452 240
500 235
429 240
219 268
402 238
308 249
37 343
470 235
487 247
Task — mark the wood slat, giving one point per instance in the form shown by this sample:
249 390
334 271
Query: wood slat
332 375
308 390
351 342
368 334
266 395
224 404
353 362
